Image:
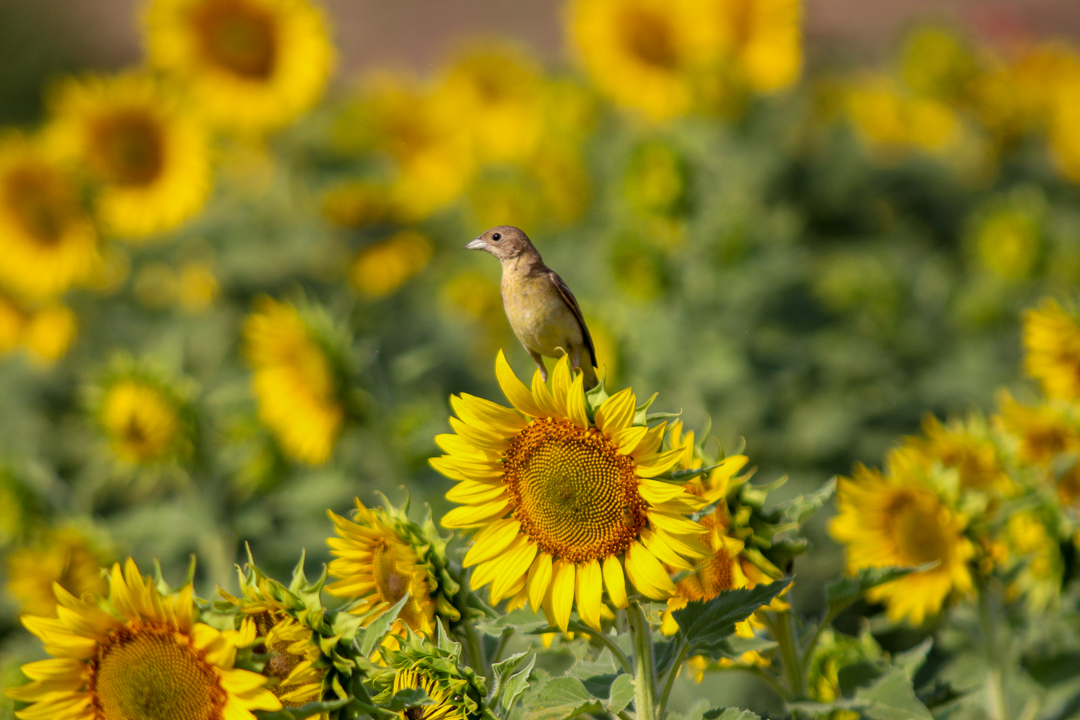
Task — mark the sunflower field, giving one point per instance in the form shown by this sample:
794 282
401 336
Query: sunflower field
270 449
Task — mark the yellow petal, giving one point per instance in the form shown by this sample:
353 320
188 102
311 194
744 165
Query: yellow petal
616 585
657 492
629 438
590 591
652 441
664 552
491 541
515 390
478 411
514 566
575 402
562 592
647 574
469 516
543 398
539 580
471 492
481 436
560 385
675 524
658 464
457 445
616 413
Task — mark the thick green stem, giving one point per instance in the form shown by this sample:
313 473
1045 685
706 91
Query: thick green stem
780 625
474 642
672 673
644 663
616 652
996 689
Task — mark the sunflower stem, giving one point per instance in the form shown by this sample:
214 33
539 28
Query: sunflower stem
617 653
780 625
644 663
672 673
475 643
996 687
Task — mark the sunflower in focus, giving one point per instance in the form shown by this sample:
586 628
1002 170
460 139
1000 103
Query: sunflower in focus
65 556
295 381
138 655
647 55
151 161
47 239
377 561
897 519
146 421
565 505
456 692
250 65
1052 347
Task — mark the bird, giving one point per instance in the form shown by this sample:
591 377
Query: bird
543 313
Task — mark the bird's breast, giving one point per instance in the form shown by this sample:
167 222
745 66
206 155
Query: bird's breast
539 315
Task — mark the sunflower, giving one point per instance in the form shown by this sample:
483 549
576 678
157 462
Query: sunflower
64 556
456 692
892 123
378 565
1041 432
761 41
1052 344
565 505
645 54
47 240
49 332
138 655
144 420
150 159
382 268
897 519
965 446
294 381
251 65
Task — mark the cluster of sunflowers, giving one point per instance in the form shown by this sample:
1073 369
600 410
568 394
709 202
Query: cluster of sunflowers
242 306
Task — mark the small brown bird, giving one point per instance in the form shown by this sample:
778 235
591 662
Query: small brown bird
542 311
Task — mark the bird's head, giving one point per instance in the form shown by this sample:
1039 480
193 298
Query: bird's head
504 242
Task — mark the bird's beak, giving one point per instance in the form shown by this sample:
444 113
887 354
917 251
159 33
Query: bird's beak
477 244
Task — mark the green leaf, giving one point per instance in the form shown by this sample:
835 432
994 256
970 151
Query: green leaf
847 590
406 698
729 714
622 692
306 711
911 660
797 510
508 686
560 699
704 625
374 633
892 698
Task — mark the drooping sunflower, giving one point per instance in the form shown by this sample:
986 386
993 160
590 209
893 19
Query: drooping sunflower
647 55
150 159
146 421
295 381
47 239
377 561
138 655
1052 345
65 556
565 504
250 65
897 519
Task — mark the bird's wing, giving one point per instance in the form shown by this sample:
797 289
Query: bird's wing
571 302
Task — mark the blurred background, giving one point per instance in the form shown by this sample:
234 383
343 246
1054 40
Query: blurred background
808 224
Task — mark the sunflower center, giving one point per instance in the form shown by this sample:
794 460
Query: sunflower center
128 148
154 674
39 202
574 493
919 536
237 37
649 38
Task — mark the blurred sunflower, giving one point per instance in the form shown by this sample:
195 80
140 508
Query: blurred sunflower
47 240
1007 235
761 41
564 505
382 268
896 519
965 446
150 159
377 562
1052 350
1041 432
146 421
49 332
65 556
251 65
138 654
295 381
1038 564
645 54
893 123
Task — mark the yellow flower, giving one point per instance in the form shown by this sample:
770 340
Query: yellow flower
1042 432
46 238
375 564
761 41
197 287
965 447
382 268
139 656
888 121
143 421
1008 241
645 54
1052 345
294 382
150 159
565 506
444 705
49 332
250 65
898 520
64 556
1040 565
293 676
937 63
1064 132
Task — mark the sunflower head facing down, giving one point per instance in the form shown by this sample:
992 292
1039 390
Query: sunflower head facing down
151 161
380 556
561 490
251 65
138 654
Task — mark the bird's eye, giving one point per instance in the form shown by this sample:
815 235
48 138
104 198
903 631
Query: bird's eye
497 237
